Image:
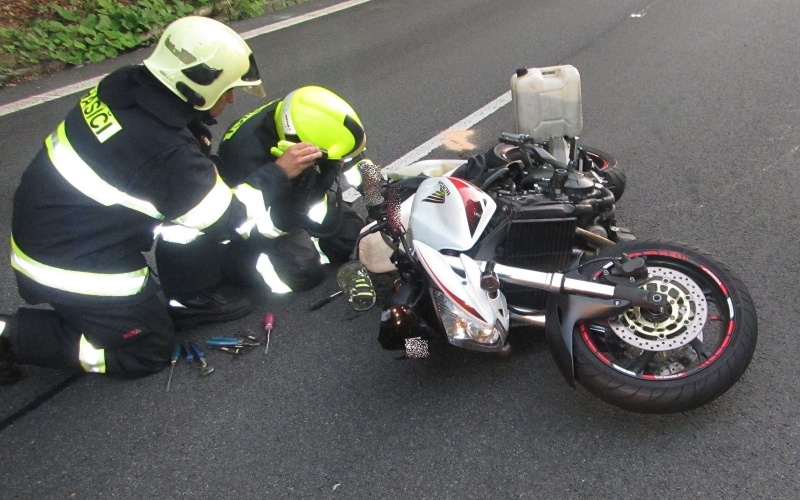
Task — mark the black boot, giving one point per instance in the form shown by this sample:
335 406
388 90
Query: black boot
9 371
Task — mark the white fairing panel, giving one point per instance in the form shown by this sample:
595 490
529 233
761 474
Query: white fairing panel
449 213
465 293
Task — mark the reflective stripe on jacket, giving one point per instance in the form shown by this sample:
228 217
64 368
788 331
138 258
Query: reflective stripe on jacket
103 285
123 161
258 215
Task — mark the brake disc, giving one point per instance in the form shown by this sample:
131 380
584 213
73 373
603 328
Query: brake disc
678 323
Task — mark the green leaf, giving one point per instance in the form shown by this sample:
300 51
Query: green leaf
95 56
65 14
108 50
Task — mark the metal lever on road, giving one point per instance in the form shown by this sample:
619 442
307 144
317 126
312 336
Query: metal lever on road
317 304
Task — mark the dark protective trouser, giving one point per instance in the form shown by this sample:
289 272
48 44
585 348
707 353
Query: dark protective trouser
131 340
202 265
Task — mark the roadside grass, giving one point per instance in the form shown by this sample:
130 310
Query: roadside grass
77 32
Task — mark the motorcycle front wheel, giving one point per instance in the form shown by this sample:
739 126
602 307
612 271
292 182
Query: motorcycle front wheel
677 358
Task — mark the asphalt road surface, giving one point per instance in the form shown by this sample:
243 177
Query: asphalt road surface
699 100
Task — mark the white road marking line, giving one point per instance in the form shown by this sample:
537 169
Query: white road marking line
423 149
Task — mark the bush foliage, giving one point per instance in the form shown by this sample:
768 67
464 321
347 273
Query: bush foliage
92 30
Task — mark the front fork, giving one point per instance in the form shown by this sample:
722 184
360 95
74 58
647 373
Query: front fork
563 312
573 298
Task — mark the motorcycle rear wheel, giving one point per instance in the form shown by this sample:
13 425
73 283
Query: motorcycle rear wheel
607 167
711 321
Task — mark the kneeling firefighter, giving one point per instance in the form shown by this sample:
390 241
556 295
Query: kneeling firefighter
298 218
131 156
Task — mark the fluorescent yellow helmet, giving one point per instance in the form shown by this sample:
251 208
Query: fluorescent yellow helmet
317 115
199 59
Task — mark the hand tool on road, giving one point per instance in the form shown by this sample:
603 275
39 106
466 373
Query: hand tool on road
189 353
200 357
231 342
236 351
176 353
269 321
324 300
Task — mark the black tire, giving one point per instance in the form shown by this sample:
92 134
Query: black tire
717 309
607 167
603 164
502 154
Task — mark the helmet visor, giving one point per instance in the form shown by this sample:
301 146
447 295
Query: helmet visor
252 77
346 150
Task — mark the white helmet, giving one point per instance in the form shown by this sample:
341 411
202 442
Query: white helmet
199 59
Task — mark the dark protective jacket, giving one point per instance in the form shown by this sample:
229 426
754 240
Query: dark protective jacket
129 157
246 160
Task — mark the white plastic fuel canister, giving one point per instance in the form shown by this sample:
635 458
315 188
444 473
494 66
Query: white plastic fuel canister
547 102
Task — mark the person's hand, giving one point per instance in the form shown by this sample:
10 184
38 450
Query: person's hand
298 157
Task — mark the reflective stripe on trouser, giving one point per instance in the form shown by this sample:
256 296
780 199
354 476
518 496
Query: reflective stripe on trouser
267 271
92 360
132 339
85 283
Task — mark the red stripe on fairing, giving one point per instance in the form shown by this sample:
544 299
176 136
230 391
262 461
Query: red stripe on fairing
455 298
472 207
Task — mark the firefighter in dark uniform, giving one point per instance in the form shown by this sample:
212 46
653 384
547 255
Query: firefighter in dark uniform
295 223
132 156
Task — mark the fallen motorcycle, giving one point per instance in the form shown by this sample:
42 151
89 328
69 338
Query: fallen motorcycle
528 240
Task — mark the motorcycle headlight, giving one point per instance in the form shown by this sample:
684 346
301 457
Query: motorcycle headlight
463 332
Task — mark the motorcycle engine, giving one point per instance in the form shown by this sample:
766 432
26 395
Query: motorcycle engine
538 213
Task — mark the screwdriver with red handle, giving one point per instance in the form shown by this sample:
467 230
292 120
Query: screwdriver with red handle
269 321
